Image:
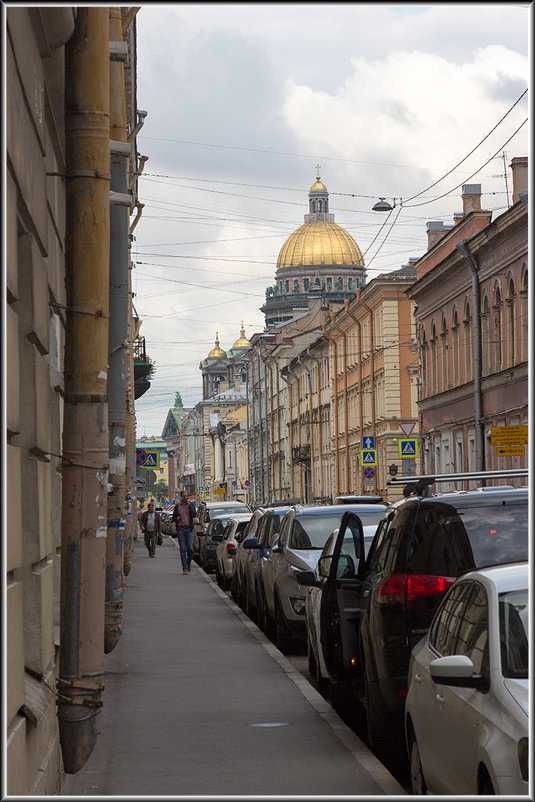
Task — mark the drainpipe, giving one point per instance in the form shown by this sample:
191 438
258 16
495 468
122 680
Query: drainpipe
346 411
361 405
463 248
290 433
255 496
272 432
260 432
335 394
301 488
268 473
117 345
85 434
279 429
312 438
320 434
247 363
372 368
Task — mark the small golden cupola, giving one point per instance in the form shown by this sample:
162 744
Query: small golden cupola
243 342
217 351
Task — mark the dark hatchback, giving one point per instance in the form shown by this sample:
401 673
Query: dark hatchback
374 613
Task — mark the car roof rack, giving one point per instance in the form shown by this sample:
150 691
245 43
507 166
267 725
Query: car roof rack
420 485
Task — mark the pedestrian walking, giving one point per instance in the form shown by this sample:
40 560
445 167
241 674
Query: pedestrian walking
151 527
183 514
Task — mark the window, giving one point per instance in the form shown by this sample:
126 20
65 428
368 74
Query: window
444 354
443 630
468 363
485 337
433 359
524 312
514 628
497 328
455 348
510 324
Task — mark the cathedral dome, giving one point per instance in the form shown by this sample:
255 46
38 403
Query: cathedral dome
318 186
243 342
217 351
319 243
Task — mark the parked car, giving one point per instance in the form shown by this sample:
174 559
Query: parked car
303 534
466 714
226 549
372 618
211 540
370 516
259 547
242 555
359 500
207 510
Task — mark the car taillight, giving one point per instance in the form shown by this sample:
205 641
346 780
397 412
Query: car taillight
231 549
412 586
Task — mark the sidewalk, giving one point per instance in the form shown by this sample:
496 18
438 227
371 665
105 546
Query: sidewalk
199 702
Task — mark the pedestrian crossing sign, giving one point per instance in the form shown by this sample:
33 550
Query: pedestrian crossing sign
368 456
153 459
408 448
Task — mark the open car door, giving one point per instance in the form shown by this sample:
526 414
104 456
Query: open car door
341 603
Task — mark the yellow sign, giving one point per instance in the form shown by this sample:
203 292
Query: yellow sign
220 491
508 435
510 451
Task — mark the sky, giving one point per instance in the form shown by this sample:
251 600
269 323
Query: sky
405 102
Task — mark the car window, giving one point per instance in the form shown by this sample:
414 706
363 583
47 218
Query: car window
448 540
349 556
261 531
472 632
311 531
398 522
514 627
443 630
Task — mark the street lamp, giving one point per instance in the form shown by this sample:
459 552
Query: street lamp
382 205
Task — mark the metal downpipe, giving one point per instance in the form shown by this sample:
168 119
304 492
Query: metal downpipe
346 411
117 345
85 435
320 435
311 425
361 397
335 394
301 490
290 432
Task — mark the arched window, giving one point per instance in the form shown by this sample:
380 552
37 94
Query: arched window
296 285
433 359
424 359
497 328
524 311
510 332
455 356
444 354
468 346
485 337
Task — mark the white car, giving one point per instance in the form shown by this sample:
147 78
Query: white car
226 549
466 715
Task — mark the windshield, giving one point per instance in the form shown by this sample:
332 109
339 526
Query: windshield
228 511
514 633
312 531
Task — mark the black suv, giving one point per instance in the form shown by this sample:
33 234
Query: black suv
374 610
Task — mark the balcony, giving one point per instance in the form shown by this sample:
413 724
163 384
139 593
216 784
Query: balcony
301 453
143 368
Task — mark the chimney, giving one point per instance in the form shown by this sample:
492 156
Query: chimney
519 168
413 260
471 198
435 231
457 217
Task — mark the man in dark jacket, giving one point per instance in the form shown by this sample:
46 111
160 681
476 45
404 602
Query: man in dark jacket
150 525
183 514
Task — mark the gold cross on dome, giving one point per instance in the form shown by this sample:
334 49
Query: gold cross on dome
318 172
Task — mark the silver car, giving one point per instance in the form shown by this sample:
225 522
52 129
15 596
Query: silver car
207 510
226 549
303 534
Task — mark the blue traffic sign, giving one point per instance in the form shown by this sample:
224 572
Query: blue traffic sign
408 448
368 441
368 457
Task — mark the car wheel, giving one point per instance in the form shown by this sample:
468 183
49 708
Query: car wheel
283 638
384 738
234 588
218 577
418 785
485 786
250 608
241 596
264 618
312 665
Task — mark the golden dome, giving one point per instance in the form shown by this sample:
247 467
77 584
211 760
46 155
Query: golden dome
319 244
318 186
217 351
243 342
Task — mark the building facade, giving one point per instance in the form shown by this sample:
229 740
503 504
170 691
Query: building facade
472 320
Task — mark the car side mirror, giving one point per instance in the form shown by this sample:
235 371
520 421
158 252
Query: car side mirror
239 537
455 670
307 578
251 543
